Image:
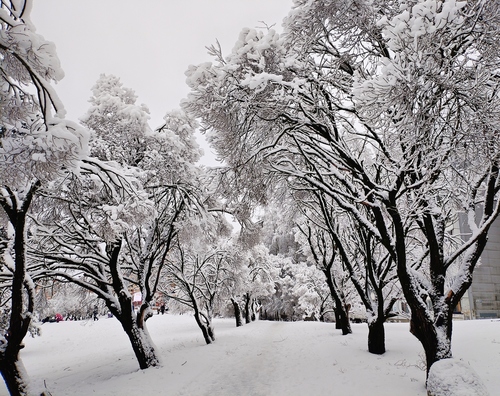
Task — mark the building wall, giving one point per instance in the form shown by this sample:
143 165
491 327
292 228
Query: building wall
483 297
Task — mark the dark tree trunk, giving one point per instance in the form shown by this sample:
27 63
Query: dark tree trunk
341 309
211 333
322 310
436 347
136 330
11 366
12 370
434 333
376 337
134 325
206 328
248 314
338 325
144 349
237 312
204 321
342 319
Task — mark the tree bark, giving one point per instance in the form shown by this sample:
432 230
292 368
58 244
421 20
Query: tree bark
211 332
338 325
376 336
255 307
342 319
204 321
248 314
206 328
237 312
136 330
431 327
142 345
341 309
13 371
134 325
11 366
435 336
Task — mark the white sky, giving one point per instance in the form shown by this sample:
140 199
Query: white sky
148 44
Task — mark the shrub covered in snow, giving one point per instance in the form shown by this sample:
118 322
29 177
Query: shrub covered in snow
452 377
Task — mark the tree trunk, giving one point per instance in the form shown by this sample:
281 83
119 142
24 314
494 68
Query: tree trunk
211 333
255 307
341 309
204 321
248 314
13 371
22 298
342 319
237 313
206 328
136 330
435 337
133 324
142 345
376 336
338 325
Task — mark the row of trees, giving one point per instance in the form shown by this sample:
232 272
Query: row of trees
108 205
371 126
381 120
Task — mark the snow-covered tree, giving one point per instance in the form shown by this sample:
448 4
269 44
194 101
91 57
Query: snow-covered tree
121 216
306 287
80 238
325 256
37 145
198 273
120 126
371 270
387 108
257 275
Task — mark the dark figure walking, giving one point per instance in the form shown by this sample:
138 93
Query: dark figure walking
162 309
95 313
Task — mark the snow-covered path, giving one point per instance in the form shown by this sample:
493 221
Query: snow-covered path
262 358
254 363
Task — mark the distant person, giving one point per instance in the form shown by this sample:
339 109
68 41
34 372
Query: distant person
95 313
162 309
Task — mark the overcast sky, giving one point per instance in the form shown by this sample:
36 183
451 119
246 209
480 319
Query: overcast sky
148 44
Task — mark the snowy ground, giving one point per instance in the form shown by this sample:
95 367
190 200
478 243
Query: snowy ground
262 358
